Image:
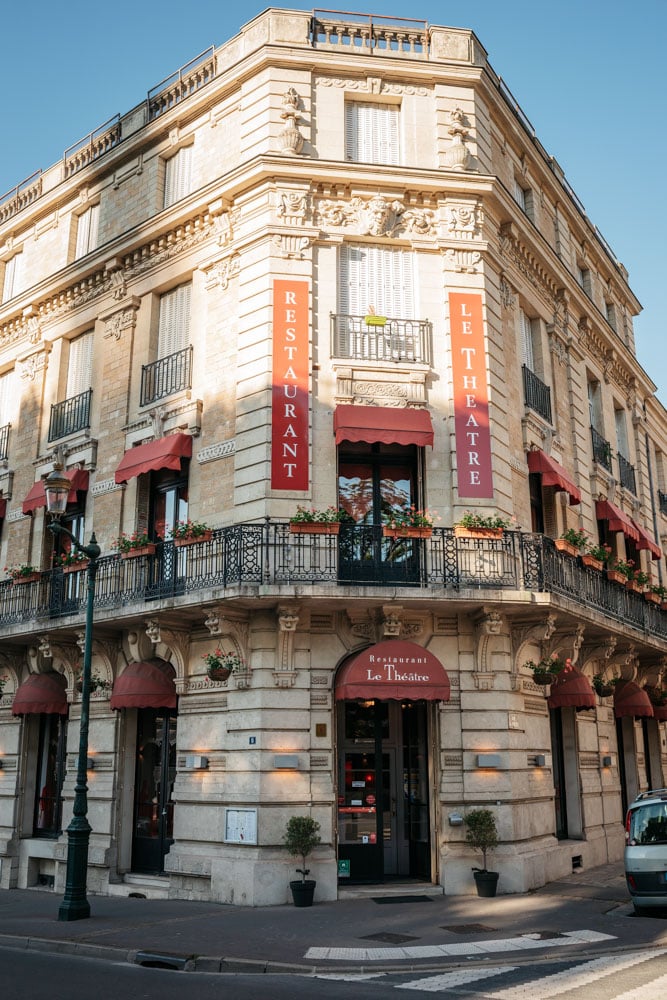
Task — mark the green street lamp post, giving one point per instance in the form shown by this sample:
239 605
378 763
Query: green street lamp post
75 905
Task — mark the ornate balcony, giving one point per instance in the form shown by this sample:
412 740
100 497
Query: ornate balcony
626 474
601 450
4 442
380 338
166 376
71 415
536 395
255 557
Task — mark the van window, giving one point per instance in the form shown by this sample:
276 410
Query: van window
648 824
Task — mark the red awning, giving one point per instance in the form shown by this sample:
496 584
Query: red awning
383 424
630 700
393 670
36 498
165 453
553 474
571 689
149 684
618 519
646 542
41 693
660 713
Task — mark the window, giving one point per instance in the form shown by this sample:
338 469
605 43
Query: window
80 366
13 277
169 501
376 280
371 133
621 432
50 773
524 198
174 321
610 313
584 279
527 332
178 176
86 231
595 405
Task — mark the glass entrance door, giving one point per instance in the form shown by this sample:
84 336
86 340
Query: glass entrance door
383 802
154 782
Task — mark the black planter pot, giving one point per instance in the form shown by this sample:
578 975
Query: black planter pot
486 882
303 892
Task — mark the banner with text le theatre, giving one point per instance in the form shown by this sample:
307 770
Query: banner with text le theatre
471 396
290 397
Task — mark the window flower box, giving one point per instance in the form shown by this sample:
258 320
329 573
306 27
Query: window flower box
317 522
590 561
132 546
406 532
562 545
474 525
461 532
23 574
140 550
314 527
206 536
615 576
75 567
190 532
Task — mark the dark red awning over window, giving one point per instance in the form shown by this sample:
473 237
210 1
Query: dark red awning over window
165 453
553 474
41 693
36 498
630 700
393 670
383 424
149 684
618 520
571 689
646 542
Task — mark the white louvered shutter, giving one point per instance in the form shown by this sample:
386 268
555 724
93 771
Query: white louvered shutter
527 353
86 231
80 368
377 279
371 133
174 323
621 433
178 176
7 383
12 284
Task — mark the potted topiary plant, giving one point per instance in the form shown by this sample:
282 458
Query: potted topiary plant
301 837
482 835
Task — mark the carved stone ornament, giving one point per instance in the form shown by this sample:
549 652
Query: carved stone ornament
289 137
293 206
462 261
457 157
464 220
377 216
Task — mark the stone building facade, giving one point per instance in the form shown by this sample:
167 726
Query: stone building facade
326 265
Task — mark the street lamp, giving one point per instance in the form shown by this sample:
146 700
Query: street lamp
75 905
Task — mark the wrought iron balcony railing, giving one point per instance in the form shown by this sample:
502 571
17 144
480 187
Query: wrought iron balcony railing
71 415
379 338
166 376
4 442
601 450
260 555
626 474
662 502
536 395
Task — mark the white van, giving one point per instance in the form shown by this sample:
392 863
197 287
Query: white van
646 850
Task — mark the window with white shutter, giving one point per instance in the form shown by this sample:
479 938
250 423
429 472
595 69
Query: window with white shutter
178 176
377 280
174 321
86 231
621 433
13 277
527 347
595 406
372 133
80 367
7 386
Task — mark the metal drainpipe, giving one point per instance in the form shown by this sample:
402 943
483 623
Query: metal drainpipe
654 512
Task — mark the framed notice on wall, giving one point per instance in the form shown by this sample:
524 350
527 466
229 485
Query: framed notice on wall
240 826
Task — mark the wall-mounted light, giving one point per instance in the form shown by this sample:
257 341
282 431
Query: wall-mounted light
606 760
2 764
540 760
488 760
286 762
196 762
455 819
90 764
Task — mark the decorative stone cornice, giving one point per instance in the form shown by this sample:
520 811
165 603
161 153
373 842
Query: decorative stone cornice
223 449
371 85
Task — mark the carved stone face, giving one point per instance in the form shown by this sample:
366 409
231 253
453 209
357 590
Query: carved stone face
377 216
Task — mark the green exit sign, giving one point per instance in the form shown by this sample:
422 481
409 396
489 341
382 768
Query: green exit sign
344 868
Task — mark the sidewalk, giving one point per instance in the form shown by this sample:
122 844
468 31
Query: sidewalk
580 913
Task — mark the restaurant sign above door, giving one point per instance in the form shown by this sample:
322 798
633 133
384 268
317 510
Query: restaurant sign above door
394 669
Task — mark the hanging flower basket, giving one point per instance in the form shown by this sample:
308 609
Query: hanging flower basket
219 673
220 665
544 677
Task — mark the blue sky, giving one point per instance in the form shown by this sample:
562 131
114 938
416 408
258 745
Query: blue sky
591 76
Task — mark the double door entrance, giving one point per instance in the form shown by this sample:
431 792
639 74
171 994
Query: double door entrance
383 791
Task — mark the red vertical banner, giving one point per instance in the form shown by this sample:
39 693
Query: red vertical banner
471 395
290 465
